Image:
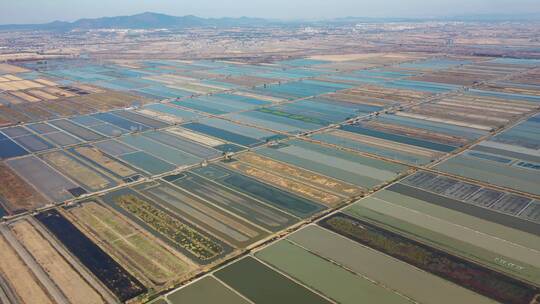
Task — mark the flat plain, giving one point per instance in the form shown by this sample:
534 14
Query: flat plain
320 178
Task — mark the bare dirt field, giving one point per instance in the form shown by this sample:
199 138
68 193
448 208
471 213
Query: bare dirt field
76 170
16 193
301 174
100 158
287 184
20 278
8 68
69 282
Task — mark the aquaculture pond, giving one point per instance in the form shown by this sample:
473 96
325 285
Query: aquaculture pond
253 279
493 284
108 271
396 276
349 167
238 203
9 149
283 200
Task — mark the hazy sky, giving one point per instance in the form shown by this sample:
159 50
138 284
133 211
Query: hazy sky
37 11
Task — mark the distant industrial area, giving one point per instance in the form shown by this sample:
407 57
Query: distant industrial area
260 40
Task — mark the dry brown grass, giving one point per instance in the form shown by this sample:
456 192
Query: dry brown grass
17 194
19 276
64 276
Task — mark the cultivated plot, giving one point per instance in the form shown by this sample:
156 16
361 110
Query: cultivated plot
201 213
127 243
195 243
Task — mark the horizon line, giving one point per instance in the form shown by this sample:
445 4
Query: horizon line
469 17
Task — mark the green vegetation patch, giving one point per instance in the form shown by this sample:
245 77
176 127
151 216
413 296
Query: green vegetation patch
294 116
192 242
196 243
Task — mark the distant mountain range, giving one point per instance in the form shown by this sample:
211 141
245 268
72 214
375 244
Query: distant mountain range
142 21
150 20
